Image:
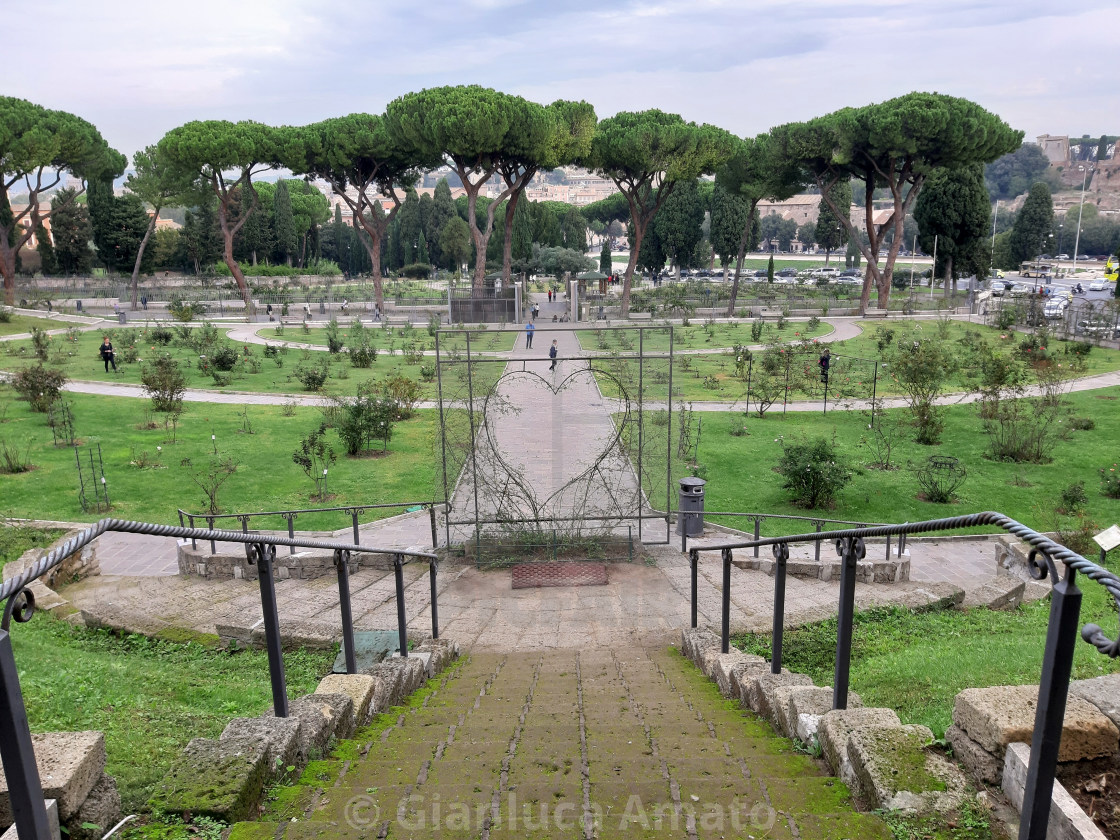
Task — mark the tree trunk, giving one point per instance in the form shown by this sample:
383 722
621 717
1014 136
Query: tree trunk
627 278
239 277
8 269
373 248
739 261
507 245
139 259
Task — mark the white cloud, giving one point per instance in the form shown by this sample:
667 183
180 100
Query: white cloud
137 69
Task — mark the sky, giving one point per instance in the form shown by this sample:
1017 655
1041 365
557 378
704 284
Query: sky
137 69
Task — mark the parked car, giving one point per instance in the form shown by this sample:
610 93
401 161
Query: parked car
851 272
996 274
786 272
849 281
759 272
1054 308
1082 256
827 271
1063 256
1096 325
1019 289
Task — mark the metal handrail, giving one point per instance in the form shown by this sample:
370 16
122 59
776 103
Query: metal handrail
291 515
1061 634
16 751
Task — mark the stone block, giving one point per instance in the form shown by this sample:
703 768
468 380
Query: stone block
806 705
358 687
695 642
710 660
981 764
998 593
936 595
52 823
1067 820
725 665
895 769
102 809
997 716
836 725
1102 692
742 672
389 677
279 735
382 691
760 689
321 717
219 779
70 763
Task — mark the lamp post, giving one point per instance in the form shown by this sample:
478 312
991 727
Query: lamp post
1061 236
1080 209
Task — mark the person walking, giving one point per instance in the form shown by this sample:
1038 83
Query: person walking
377 313
530 328
552 355
550 295
107 354
307 312
536 311
824 361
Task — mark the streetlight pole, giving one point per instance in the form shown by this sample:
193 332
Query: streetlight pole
1061 236
1080 210
933 268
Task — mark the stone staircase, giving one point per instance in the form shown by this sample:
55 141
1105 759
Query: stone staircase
565 744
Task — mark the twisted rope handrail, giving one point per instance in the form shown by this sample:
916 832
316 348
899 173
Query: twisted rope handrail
55 557
1040 543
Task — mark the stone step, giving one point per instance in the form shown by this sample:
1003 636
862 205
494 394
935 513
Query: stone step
633 741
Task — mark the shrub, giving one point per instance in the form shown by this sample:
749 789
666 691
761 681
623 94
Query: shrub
814 322
921 370
433 324
404 393
182 310
5 315
814 473
334 337
756 330
314 456
1110 482
161 336
427 372
365 419
130 355
312 378
164 382
41 342
1078 348
1074 497
416 271
940 477
14 460
38 385
224 358
1082 424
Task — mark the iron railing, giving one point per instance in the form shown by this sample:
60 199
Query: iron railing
1061 634
16 751
759 518
188 519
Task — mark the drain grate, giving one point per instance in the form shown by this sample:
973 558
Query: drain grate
573 573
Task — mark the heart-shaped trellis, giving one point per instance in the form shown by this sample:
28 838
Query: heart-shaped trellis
603 484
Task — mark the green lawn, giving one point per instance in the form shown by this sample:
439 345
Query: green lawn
917 663
77 357
23 324
267 479
717 335
739 468
712 377
148 696
396 338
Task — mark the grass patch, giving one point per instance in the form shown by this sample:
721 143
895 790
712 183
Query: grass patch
917 663
398 338
717 335
78 358
149 697
17 538
740 478
23 324
267 479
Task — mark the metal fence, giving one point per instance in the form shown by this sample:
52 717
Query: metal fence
16 750
1061 635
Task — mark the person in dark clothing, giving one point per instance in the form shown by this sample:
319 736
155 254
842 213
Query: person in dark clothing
107 354
529 328
552 355
824 361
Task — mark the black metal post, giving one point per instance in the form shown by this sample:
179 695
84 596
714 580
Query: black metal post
750 369
25 790
402 626
435 598
210 527
850 550
194 542
291 531
443 432
264 555
354 521
432 520
694 561
781 555
757 531
888 547
874 392
474 446
1057 664
817 544
641 423
342 566
725 627
669 442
